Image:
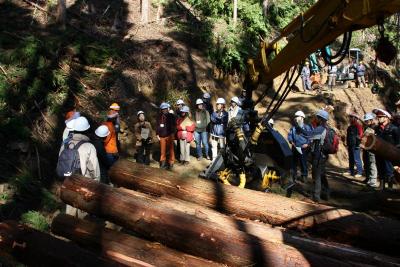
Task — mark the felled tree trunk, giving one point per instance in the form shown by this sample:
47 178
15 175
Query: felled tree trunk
36 248
381 148
364 231
206 233
120 247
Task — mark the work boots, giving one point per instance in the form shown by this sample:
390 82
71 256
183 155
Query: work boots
163 165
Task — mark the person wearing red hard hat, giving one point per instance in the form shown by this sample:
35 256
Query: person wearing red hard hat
353 139
390 133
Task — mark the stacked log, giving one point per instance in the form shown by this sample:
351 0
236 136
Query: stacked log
120 247
206 233
36 248
358 229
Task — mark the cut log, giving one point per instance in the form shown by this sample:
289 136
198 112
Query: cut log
36 248
381 148
200 231
121 247
368 232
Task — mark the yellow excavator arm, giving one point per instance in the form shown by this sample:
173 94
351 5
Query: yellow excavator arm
318 26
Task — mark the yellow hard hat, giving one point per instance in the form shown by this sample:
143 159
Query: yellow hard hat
115 106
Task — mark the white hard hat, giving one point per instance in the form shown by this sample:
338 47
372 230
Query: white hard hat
299 114
369 116
70 124
180 102
102 131
199 101
236 100
185 109
221 101
271 121
164 105
140 112
81 124
206 95
381 113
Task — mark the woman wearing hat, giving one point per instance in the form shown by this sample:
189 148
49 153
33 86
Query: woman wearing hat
185 133
144 140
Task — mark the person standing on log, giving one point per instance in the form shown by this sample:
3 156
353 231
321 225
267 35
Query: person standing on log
101 134
89 164
319 157
390 133
202 117
353 139
165 134
371 172
219 120
110 143
300 146
185 134
144 140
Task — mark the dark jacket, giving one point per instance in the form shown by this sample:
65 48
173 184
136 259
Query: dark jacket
298 138
390 134
354 135
165 125
219 122
202 118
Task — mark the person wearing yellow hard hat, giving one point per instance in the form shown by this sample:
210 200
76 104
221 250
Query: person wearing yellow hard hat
110 143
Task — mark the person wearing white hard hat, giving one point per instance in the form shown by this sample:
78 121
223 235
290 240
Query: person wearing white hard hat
305 77
89 164
69 117
300 146
219 121
353 141
271 123
100 135
179 104
390 133
234 109
202 119
185 128
371 172
207 103
165 131
144 138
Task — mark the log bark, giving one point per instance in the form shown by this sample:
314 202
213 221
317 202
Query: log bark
381 148
121 247
200 231
368 232
36 248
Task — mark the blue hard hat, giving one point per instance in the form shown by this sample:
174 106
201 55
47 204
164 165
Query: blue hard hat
206 95
164 105
323 114
369 116
185 109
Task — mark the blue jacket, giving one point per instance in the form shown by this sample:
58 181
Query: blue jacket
315 136
360 69
298 138
219 123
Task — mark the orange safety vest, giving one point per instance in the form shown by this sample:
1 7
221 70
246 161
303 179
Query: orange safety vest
110 144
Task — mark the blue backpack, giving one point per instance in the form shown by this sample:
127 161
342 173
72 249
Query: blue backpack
68 161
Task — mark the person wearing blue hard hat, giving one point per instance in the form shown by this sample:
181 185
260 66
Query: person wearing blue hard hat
165 131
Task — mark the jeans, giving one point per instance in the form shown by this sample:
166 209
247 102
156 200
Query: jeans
215 141
331 80
306 83
361 81
319 176
370 167
201 138
302 159
112 158
355 158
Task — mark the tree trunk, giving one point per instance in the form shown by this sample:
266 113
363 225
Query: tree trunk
381 148
160 12
235 6
265 7
206 233
62 13
144 11
120 247
35 248
365 231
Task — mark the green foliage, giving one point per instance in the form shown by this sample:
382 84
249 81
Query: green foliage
49 201
173 94
15 127
28 188
35 220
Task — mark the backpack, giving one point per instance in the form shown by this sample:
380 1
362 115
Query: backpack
68 161
331 142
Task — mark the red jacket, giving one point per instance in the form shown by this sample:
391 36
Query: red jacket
190 127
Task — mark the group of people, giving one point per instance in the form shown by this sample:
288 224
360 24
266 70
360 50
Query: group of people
332 71
307 141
